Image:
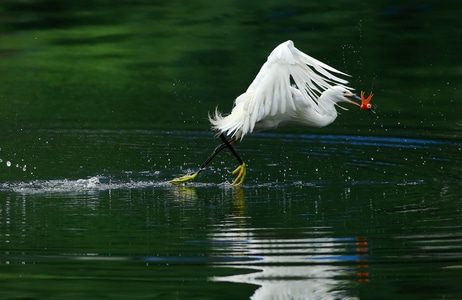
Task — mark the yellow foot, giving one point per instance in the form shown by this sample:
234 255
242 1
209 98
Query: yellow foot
240 171
185 178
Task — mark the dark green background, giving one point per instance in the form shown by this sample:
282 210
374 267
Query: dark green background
141 64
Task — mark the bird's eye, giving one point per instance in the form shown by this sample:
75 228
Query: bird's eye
369 106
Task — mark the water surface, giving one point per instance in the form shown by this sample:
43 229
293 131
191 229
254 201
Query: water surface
331 217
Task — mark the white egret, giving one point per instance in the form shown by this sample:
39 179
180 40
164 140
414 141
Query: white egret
290 88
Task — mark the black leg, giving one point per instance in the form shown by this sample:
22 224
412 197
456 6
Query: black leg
241 169
214 153
218 149
192 176
230 147
226 144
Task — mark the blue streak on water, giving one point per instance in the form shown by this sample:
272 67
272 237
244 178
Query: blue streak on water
395 142
196 259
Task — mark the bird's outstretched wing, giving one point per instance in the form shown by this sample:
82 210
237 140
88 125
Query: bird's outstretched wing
271 92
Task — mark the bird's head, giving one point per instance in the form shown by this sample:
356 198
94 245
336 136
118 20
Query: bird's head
339 94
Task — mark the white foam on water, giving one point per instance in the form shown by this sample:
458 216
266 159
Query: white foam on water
91 184
99 183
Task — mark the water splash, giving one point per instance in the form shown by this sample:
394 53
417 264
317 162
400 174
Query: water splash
9 163
88 185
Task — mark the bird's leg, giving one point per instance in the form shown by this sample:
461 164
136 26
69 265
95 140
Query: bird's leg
202 167
240 170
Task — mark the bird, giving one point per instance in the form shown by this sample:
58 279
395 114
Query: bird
290 88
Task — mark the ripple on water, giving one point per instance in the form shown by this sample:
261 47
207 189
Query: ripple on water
293 267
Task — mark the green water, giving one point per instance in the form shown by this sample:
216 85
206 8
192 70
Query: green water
103 103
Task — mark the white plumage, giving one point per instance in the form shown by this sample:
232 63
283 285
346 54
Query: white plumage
291 87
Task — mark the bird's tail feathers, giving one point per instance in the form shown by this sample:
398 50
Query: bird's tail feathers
216 119
230 125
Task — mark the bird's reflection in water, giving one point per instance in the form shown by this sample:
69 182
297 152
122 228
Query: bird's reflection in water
304 268
311 264
184 194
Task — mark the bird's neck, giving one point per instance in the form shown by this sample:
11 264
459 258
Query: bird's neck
325 115
327 112
327 109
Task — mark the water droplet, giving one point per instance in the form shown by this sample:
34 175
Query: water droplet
8 163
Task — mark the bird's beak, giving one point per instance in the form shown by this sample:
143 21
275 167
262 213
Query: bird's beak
351 98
